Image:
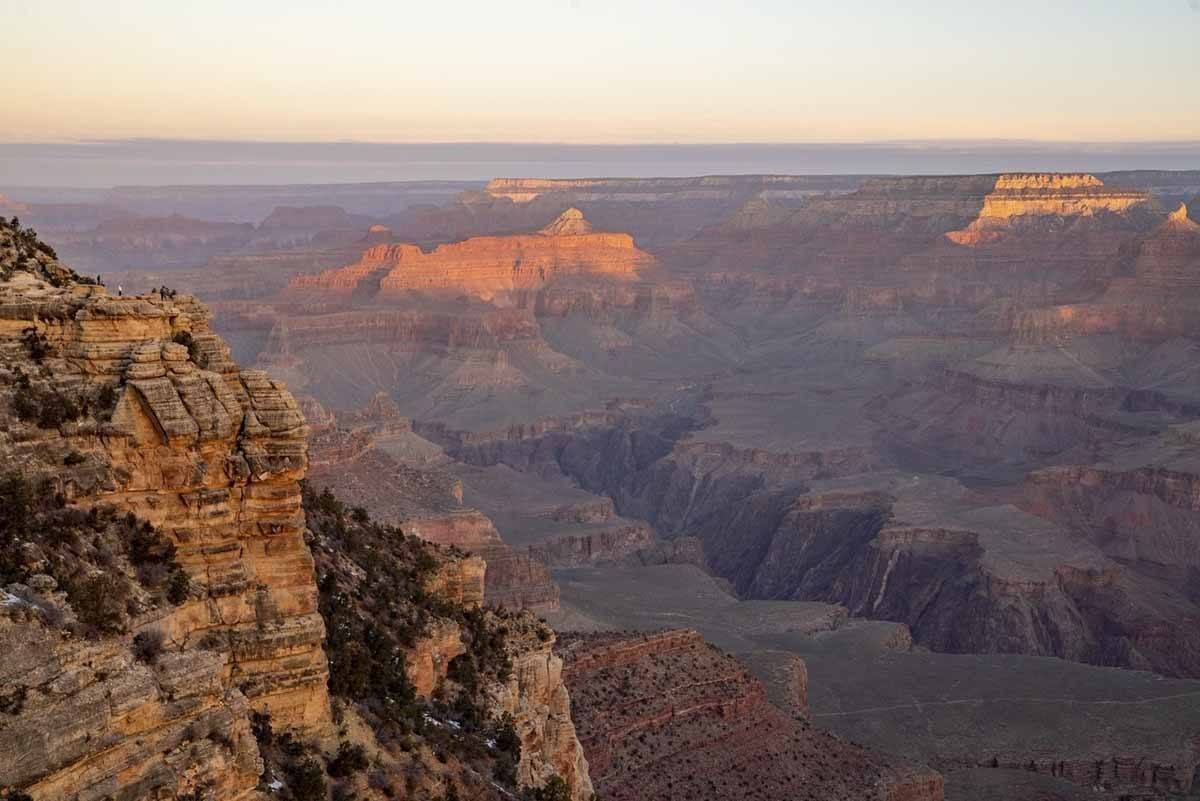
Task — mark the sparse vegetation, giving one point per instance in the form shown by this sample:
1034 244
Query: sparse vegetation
147 646
350 759
99 602
20 249
555 789
297 764
88 552
380 607
37 344
12 794
50 407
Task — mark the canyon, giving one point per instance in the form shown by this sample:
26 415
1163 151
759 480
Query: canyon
941 424
163 612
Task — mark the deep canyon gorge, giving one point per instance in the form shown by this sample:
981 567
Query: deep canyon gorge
828 487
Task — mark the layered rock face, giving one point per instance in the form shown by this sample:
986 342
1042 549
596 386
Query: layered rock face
655 211
473 673
958 241
536 695
1170 259
667 715
94 723
372 458
484 348
917 552
1042 195
486 265
210 456
1150 303
524 190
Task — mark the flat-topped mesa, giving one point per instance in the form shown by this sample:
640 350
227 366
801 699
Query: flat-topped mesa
1044 195
933 198
488 264
705 187
1047 181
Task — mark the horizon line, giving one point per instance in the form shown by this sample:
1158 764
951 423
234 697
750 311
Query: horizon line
950 141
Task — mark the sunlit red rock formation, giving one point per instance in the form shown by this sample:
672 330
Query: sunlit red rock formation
1043 195
957 240
486 265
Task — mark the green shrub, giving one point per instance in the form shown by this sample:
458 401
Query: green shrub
16 510
99 603
307 781
179 587
148 646
56 409
555 789
506 736
350 759
36 343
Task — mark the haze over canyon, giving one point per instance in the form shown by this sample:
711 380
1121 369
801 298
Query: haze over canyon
737 486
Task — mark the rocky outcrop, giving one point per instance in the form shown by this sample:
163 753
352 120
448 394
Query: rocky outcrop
362 458
208 455
606 545
667 715
514 580
211 456
1152 304
95 723
472 676
1149 514
536 695
1044 195
487 265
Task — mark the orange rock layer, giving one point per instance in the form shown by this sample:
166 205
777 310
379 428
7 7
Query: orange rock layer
212 456
490 264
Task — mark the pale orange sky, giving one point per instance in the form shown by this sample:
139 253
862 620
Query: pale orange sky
611 71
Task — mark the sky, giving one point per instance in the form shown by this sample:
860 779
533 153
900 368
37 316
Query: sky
601 71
